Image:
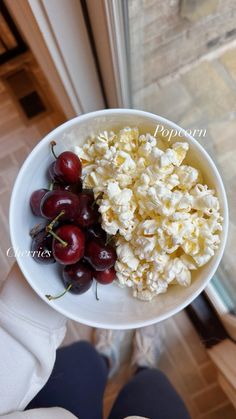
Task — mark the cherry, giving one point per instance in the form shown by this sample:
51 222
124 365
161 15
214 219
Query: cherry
35 201
95 232
41 247
68 244
57 186
76 188
105 277
51 171
77 278
68 167
87 210
57 201
99 255
80 275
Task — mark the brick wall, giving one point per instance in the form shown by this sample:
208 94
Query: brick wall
165 35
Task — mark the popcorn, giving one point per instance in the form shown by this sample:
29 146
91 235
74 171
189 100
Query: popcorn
162 200
176 270
126 256
171 181
145 247
123 162
187 176
166 221
128 138
174 155
117 208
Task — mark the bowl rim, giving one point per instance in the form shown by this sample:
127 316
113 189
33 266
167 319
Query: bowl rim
159 119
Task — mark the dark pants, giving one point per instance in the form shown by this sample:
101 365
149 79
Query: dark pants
78 381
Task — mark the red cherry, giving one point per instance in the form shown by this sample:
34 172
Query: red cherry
57 186
51 171
77 278
95 231
99 255
87 210
41 247
70 248
105 277
76 188
35 201
56 201
68 167
79 275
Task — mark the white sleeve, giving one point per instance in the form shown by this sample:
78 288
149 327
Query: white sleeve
43 413
30 332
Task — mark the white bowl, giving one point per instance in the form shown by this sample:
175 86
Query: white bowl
116 309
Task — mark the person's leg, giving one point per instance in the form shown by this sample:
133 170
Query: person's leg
77 382
149 394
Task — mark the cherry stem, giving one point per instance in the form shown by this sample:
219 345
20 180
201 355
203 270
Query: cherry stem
35 230
52 144
96 292
64 244
50 186
51 297
52 223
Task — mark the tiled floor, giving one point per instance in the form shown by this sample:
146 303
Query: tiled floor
184 359
16 141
